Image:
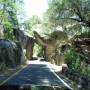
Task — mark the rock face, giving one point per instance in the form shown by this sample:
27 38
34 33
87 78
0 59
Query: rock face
25 41
57 38
11 54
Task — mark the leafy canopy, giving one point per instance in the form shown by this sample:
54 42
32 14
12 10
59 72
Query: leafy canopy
70 14
9 9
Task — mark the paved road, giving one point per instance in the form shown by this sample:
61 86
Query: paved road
36 74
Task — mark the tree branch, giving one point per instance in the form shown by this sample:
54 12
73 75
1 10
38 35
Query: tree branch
75 19
83 22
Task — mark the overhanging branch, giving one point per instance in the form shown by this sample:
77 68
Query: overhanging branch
75 19
83 22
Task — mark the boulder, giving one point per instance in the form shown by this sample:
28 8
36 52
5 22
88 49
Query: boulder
11 54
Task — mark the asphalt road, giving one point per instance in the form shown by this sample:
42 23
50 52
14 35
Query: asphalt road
36 74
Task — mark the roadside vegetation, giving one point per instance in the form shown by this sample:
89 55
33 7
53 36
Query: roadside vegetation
69 16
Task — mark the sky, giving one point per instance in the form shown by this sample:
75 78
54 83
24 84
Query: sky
35 7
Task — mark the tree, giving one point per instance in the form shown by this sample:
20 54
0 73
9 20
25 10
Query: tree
70 14
30 23
8 15
35 20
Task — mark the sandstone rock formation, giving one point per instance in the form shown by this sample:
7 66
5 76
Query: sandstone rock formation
56 39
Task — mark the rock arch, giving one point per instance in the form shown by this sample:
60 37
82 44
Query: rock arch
57 38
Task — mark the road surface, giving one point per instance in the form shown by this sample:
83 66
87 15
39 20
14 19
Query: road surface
37 73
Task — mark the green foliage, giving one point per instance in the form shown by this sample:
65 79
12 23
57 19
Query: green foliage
85 35
29 24
69 14
72 59
47 26
8 15
35 20
37 49
75 63
86 70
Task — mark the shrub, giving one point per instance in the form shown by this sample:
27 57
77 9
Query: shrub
73 59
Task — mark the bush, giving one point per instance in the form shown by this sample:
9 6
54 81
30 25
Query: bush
73 59
76 63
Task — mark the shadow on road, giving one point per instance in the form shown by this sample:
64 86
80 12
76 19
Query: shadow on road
30 87
34 77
